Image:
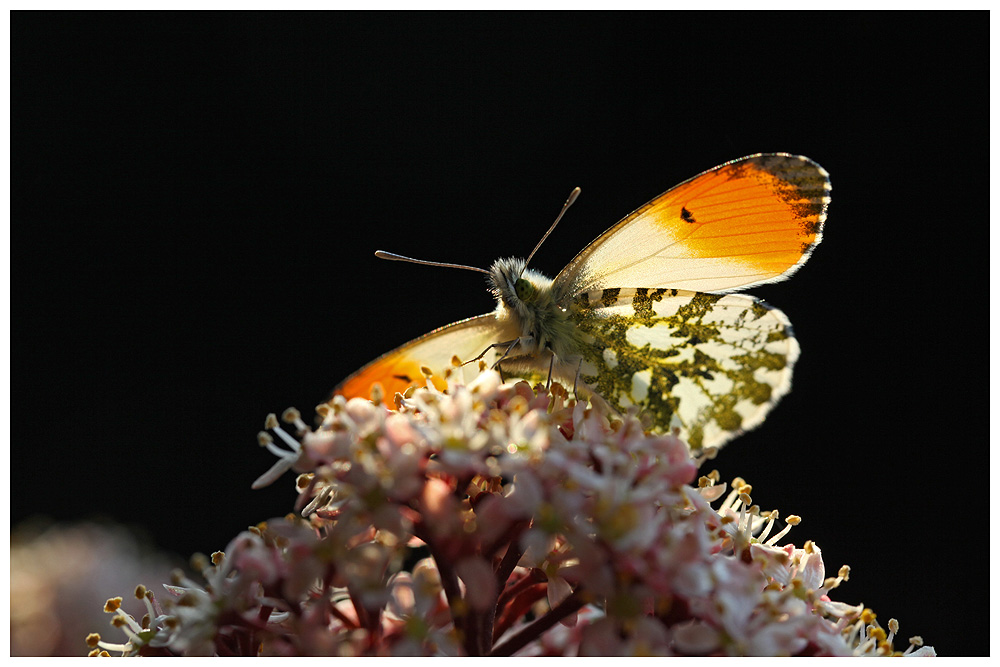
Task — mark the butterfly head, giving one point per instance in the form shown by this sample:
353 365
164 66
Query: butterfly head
517 289
525 290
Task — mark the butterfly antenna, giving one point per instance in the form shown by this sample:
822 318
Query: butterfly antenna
382 254
569 202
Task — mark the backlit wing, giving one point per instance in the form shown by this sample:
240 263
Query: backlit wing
398 370
750 221
712 365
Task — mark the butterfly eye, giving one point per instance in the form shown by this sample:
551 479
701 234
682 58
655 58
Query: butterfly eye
525 290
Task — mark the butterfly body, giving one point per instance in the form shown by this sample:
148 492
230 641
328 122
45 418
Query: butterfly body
643 316
546 335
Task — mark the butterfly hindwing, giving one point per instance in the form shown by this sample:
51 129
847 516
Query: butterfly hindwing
750 221
711 365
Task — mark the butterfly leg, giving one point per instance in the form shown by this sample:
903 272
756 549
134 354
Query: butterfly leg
508 343
511 344
496 364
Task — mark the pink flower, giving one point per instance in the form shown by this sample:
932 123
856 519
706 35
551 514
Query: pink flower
501 519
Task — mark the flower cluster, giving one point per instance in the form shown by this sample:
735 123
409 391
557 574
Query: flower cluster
500 519
60 575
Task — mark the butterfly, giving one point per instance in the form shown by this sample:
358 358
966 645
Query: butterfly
644 315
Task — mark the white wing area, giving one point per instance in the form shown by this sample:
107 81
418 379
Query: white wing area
710 365
642 252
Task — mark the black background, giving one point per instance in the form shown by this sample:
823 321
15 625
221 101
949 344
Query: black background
196 199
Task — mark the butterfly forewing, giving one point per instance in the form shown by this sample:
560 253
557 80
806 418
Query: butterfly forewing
750 221
403 367
711 365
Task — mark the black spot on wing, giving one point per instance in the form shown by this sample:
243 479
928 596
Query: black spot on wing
609 297
686 215
814 226
642 304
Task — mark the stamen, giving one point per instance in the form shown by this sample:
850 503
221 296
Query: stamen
790 520
293 416
771 517
289 440
199 562
731 499
319 501
893 628
127 624
109 646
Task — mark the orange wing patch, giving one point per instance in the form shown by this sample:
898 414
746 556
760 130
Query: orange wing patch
767 213
401 368
747 222
395 373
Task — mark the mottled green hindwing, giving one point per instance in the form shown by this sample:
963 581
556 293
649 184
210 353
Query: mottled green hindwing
711 365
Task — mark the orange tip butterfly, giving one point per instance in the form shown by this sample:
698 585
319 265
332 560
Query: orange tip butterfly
644 315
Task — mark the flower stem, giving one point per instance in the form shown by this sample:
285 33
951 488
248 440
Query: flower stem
573 602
